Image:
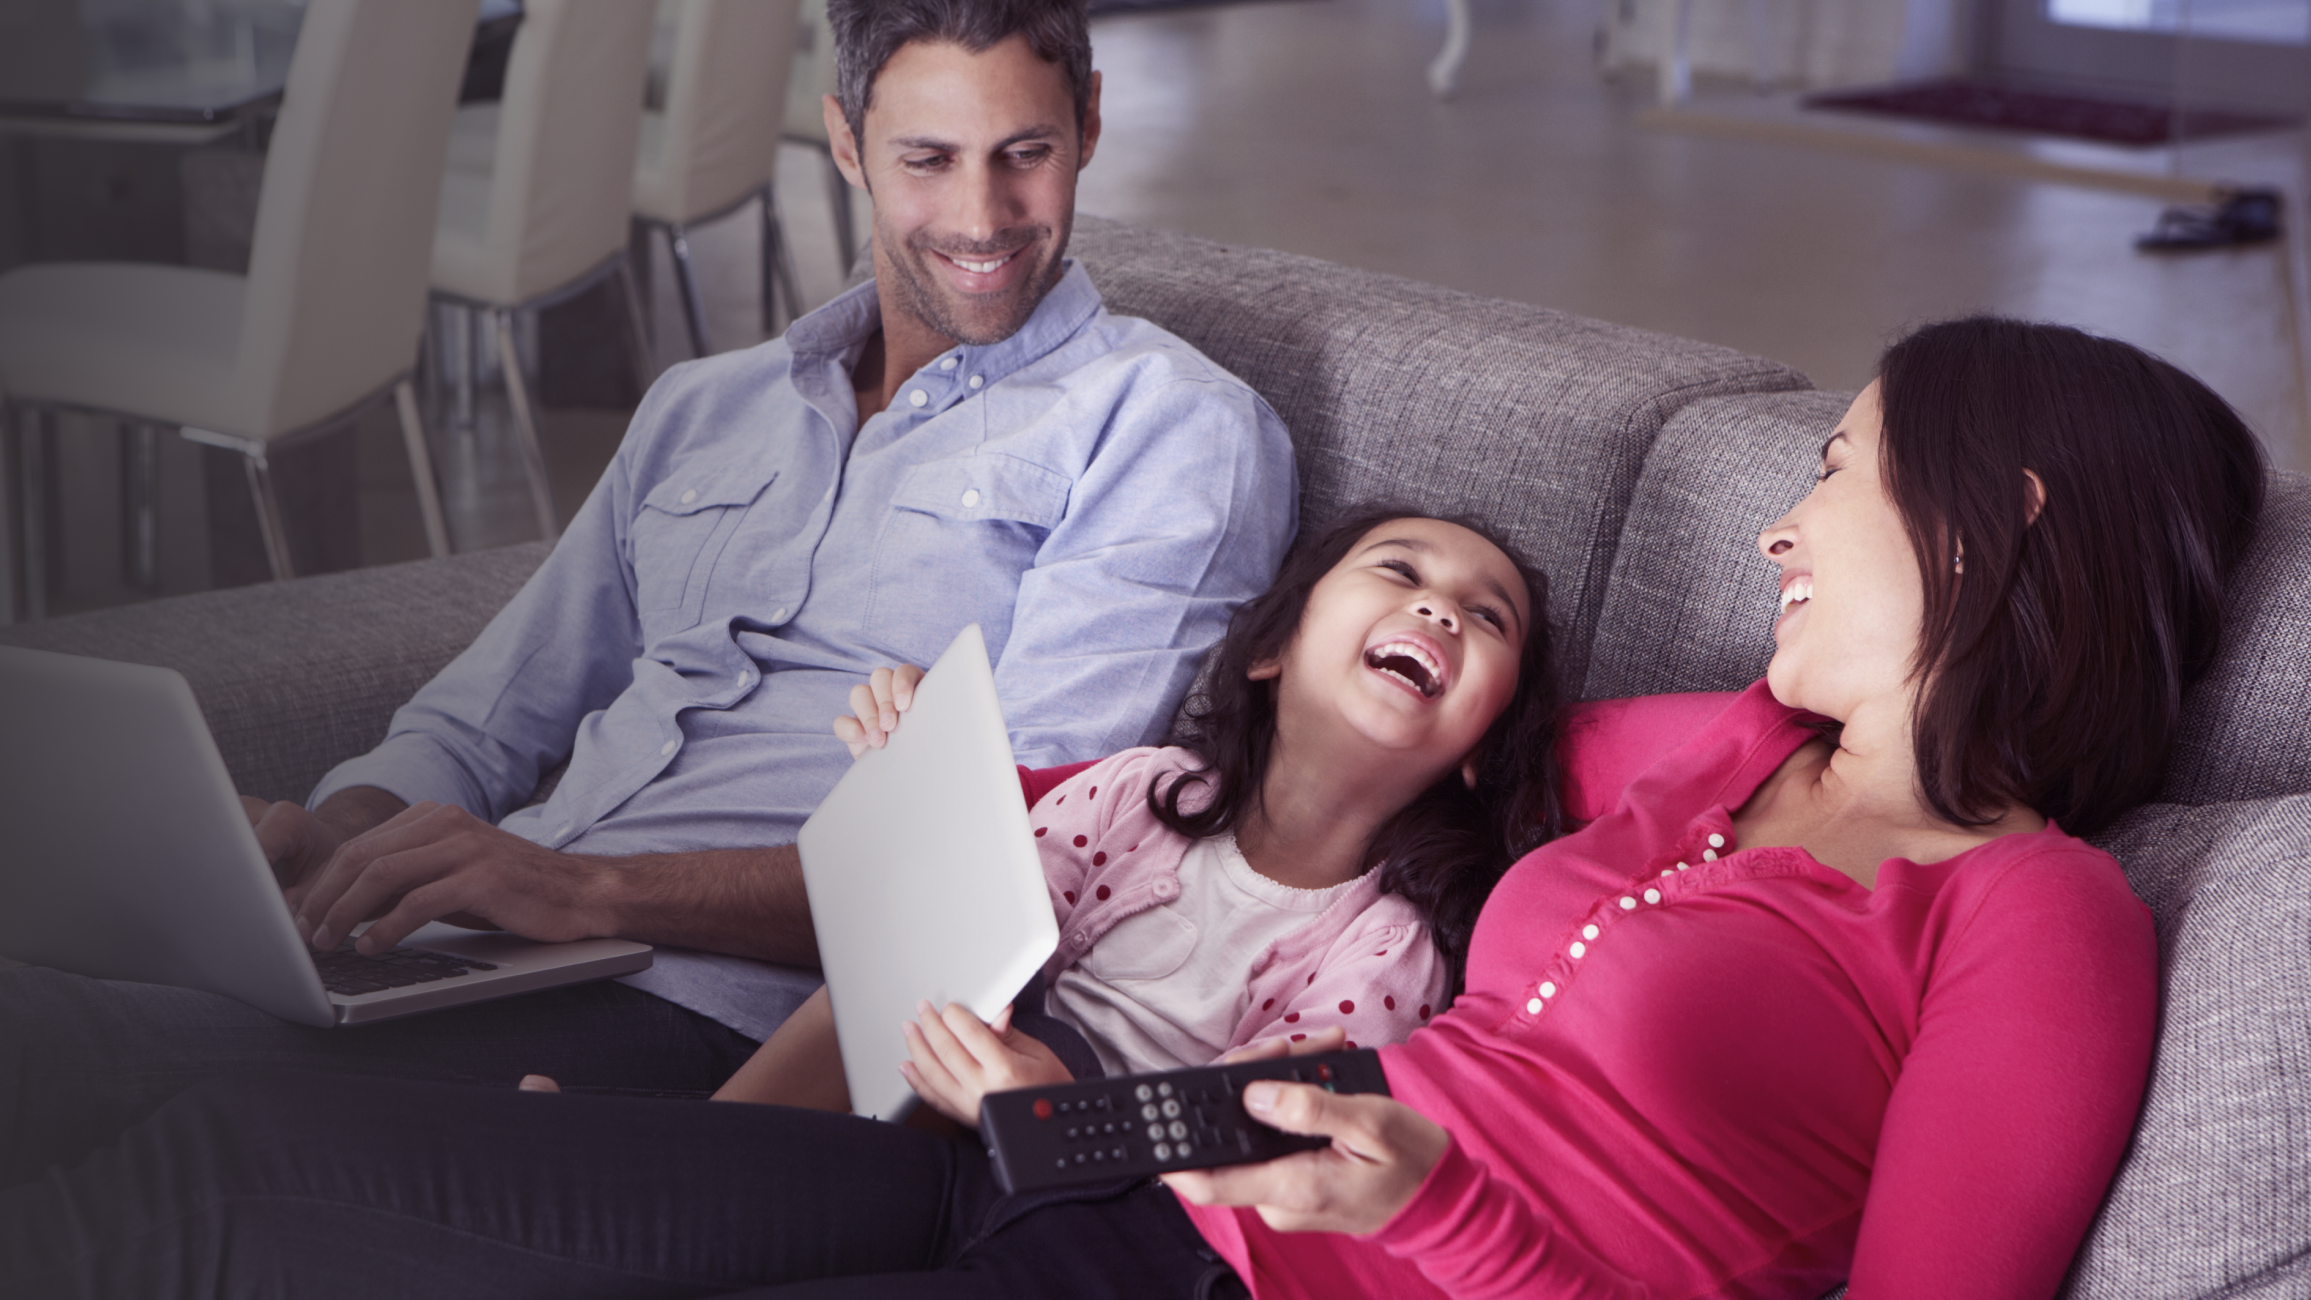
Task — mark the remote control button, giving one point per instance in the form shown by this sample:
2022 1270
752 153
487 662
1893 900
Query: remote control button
1163 1151
1062 1164
1144 1093
1147 1112
1043 1108
1163 1090
1324 1072
1179 1130
1073 1132
1117 1153
1185 1150
1155 1132
1080 1157
1172 1109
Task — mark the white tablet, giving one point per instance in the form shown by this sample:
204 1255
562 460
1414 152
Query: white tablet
924 880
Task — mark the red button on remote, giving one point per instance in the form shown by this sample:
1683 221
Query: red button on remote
1043 1108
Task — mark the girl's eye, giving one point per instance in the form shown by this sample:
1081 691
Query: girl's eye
1402 569
1823 475
1489 615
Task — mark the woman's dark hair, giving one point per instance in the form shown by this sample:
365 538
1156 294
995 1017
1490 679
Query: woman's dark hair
2056 650
1447 848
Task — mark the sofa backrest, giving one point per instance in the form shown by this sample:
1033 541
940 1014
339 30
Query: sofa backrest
1536 421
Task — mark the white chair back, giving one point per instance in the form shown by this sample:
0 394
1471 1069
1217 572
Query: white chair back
814 77
344 234
717 141
562 179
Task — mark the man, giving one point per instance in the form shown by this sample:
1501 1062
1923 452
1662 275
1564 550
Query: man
971 438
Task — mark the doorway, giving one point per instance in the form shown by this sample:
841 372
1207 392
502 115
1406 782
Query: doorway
2232 54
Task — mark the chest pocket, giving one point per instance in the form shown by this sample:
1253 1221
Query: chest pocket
679 534
1146 945
960 534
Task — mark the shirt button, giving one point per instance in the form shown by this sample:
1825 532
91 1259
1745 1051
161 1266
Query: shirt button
1579 949
1628 904
778 615
978 381
666 748
1716 841
1652 895
561 830
1709 855
970 496
690 496
746 678
1548 990
1681 866
1589 932
918 398
949 364
1533 1008
1667 872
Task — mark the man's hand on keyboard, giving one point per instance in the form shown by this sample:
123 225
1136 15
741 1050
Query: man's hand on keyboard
434 862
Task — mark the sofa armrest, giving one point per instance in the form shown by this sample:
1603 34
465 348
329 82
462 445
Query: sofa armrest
295 677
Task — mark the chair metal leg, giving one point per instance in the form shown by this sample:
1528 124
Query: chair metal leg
140 505
468 347
269 518
518 396
32 447
686 276
637 334
421 470
778 277
839 199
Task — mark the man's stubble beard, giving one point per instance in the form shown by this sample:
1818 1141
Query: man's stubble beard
934 309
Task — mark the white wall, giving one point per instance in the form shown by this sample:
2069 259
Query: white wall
1798 42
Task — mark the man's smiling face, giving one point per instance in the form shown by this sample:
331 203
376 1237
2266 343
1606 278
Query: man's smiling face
971 159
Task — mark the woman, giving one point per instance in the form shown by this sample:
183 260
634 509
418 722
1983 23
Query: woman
1822 987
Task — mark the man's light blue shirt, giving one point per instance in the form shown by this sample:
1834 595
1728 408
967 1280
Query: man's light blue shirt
1094 493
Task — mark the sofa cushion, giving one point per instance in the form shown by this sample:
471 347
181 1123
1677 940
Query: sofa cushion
1690 605
2243 725
1531 419
294 677
2214 1196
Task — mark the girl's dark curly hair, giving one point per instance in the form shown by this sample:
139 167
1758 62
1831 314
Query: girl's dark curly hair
1447 848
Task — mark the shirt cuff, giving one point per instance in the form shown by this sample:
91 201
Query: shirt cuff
411 768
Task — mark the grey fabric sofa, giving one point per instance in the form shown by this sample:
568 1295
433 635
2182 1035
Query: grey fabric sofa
1637 470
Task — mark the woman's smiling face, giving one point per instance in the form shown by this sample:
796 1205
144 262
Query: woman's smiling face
1410 643
1851 599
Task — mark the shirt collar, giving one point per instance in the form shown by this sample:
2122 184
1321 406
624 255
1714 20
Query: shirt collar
835 330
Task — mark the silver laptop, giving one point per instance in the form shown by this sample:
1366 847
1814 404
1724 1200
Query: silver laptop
124 855
923 876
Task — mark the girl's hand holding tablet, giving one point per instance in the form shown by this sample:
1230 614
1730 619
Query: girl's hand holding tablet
959 1058
888 692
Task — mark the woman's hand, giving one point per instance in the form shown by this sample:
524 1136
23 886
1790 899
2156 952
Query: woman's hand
888 693
959 1058
1381 1151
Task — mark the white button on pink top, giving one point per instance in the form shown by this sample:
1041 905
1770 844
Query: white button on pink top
1709 855
1579 949
1533 1007
1628 904
918 398
1589 932
1548 990
1681 866
970 497
1652 895
1716 841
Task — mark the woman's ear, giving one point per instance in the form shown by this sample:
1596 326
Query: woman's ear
1265 670
2035 494
1468 771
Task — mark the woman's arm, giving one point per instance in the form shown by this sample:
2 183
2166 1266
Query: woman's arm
2020 1092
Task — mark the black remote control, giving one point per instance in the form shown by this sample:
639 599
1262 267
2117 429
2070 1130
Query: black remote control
1098 1130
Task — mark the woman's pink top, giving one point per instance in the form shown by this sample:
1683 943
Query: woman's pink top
1682 1068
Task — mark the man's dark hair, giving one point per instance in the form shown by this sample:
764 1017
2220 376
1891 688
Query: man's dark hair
868 32
2056 650
1446 849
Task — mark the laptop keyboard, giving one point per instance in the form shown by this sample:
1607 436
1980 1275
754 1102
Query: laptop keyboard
348 972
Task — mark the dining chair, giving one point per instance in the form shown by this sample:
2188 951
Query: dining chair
537 189
814 79
715 146
326 322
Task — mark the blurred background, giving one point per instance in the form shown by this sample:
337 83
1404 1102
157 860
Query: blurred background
195 193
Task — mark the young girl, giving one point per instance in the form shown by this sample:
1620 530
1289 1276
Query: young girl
1370 751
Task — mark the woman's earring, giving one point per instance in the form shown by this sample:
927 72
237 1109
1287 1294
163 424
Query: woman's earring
1958 563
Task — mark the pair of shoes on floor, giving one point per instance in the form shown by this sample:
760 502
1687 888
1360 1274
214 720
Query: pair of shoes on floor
2242 216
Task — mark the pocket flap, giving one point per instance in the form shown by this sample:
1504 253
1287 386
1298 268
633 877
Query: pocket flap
992 486
707 487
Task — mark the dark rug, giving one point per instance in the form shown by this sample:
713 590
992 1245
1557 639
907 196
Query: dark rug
2082 117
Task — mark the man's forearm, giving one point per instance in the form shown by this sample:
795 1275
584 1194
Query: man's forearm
358 808
744 902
